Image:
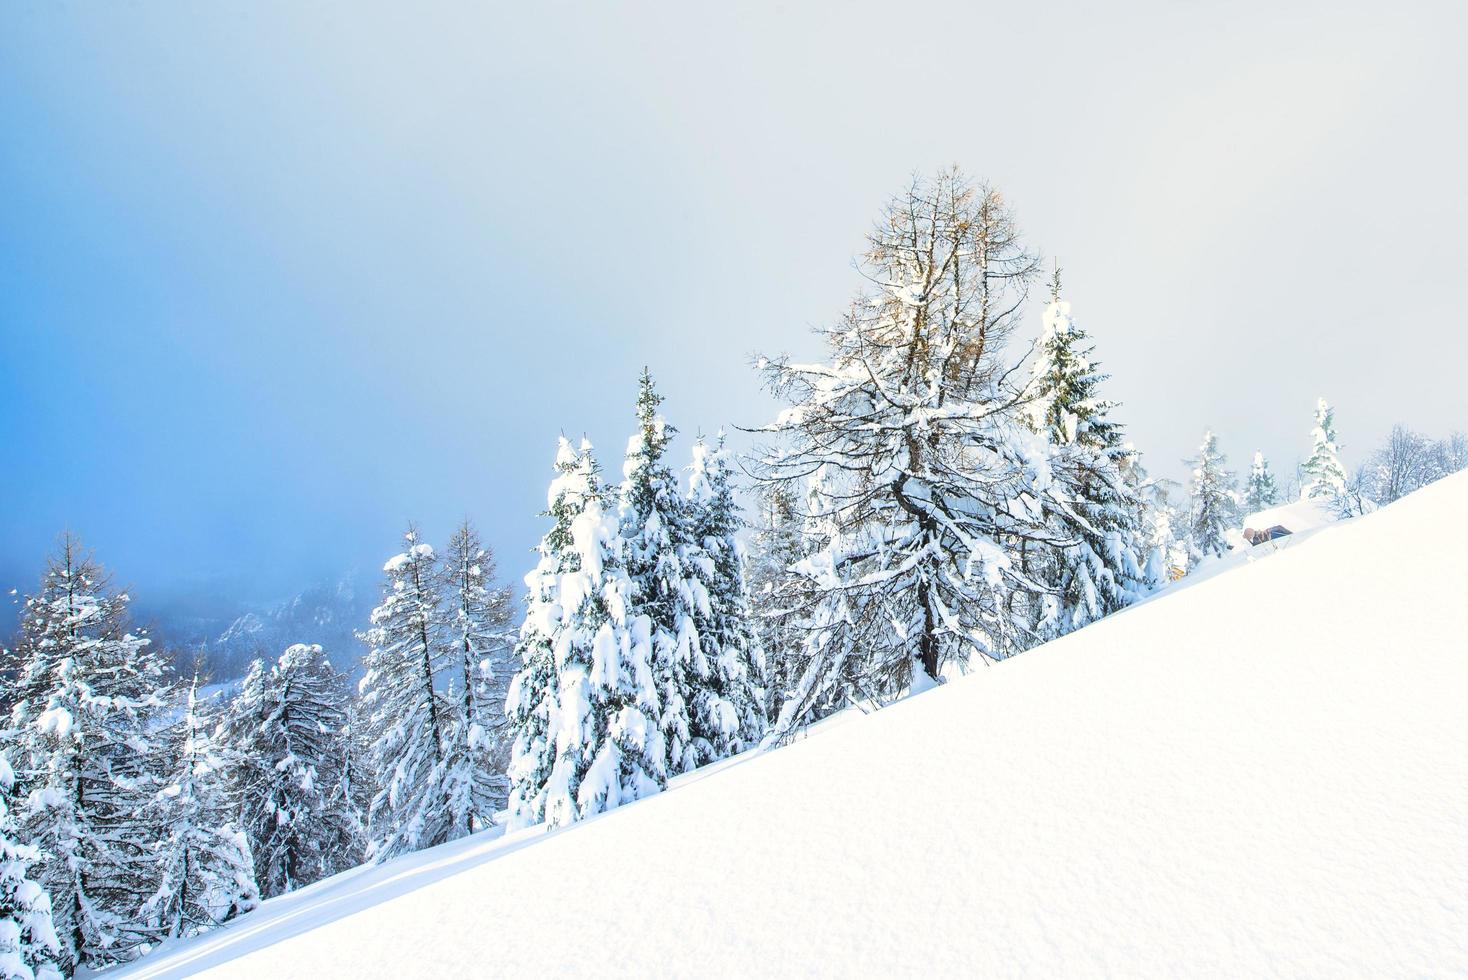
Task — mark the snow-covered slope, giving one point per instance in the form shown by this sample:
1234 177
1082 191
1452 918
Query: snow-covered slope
1264 774
1297 516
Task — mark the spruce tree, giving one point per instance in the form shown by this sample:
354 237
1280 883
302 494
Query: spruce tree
657 542
726 699
934 482
284 735
584 706
477 629
1322 473
1260 492
1213 500
28 944
1101 561
406 719
206 873
88 692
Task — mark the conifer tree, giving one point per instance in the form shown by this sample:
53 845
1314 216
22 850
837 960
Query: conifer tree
405 717
28 944
726 700
350 798
657 542
207 873
1322 473
777 545
88 692
584 707
1260 492
1169 538
477 629
1101 563
934 482
284 733
1213 503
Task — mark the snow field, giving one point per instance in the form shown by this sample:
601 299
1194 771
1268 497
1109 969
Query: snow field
1263 774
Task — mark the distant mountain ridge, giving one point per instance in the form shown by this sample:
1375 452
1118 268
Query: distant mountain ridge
228 635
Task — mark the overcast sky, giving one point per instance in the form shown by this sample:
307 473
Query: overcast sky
276 277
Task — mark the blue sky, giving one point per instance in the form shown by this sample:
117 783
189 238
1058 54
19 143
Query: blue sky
276 277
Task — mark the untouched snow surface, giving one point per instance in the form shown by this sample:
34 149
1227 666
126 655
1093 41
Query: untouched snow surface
1264 774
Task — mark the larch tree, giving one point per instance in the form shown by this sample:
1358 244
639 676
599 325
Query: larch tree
778 543
350 797
28 943
932 483
284 735
584 706
206 870
405 717
1260 492
1322 473
477 632
1213 501
87 697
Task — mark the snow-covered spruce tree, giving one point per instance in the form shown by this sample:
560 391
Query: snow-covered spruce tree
28 944
206 870
1260 492
583 708
1213 502
406 720
283 732
934 483
478 630
1167 537
659 551
1102 561
726 700
89 691
1322 473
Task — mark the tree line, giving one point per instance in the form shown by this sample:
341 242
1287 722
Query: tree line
928 499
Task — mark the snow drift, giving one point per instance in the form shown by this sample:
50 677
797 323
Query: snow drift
1263 774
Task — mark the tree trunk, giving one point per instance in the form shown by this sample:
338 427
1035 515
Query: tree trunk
928 642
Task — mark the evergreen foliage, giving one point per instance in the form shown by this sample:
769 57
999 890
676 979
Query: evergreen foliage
658 552
284 733
584 706
1260 492
206 870
1102 560
405 718
726 699
477 633
1322 473
777 545
28 944
1213 500
87 693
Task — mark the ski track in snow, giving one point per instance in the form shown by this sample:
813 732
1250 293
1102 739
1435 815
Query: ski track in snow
1262 774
